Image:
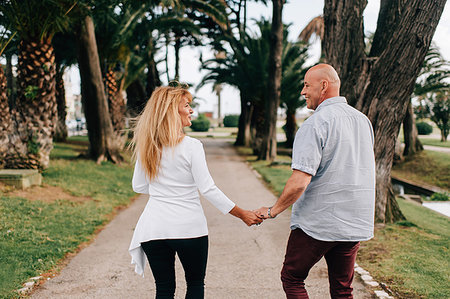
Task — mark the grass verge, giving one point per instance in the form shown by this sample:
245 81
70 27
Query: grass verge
36 235
434 142
410 257
426 167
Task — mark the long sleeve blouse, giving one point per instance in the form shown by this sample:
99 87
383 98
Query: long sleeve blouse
173 210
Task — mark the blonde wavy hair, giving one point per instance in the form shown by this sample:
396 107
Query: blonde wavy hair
158 126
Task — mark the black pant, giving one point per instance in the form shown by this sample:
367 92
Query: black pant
193 254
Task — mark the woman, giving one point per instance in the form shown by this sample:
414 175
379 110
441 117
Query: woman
171 167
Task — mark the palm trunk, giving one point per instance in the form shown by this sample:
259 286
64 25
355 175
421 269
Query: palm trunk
31 141
136 97
244 136
100 129
370 83
153 80
60 128
410 134
268 149
116 105
290 128
177 57
5 117
10 82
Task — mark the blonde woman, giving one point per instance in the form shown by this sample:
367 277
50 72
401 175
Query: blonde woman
171 167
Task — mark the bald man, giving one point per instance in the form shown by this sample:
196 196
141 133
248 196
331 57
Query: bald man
332 188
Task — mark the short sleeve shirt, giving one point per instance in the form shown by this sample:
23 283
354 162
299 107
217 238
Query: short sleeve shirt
335 146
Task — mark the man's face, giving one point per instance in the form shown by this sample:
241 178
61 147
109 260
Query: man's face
311 90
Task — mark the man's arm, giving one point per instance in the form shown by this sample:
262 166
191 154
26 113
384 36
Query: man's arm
294 188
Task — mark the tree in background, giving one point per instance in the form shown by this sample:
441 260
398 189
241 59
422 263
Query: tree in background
293 72
268 150
431 90
65 56
380 84
441 113
36 22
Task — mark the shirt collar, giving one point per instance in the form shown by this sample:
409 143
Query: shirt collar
331 101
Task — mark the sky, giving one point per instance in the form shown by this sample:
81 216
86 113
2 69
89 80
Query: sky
296 12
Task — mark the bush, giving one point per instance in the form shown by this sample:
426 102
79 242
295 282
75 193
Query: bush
439 197
424 128
201 124
231 121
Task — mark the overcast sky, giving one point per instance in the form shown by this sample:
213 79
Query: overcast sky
297 12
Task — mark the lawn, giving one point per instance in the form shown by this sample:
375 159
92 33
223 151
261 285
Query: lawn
427 167
410 257
434 142
37 233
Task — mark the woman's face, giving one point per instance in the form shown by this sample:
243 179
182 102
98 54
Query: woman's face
185 111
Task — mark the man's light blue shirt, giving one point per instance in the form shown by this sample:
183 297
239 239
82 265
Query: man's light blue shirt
335 146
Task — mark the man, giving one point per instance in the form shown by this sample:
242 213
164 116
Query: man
332 187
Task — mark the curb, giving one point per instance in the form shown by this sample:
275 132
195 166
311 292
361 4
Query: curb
28 286
372 284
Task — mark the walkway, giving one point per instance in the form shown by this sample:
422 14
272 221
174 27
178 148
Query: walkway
244 262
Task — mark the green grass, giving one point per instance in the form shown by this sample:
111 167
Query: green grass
410 257
37 235
428 167
434 142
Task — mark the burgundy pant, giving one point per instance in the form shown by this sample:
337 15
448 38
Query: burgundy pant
303 252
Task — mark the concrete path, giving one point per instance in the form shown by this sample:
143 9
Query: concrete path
244 262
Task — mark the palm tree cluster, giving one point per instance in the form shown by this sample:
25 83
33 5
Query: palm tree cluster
432 90
113 43
246 68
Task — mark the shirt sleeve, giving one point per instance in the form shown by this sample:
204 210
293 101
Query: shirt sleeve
140 182
307 149
205 183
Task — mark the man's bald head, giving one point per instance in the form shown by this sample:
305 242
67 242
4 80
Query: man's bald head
321 82
326 72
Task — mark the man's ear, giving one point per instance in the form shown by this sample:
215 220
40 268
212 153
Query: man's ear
324 86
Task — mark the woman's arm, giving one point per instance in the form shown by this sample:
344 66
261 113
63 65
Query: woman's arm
140 182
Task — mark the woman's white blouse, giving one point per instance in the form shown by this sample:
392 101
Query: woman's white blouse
173 210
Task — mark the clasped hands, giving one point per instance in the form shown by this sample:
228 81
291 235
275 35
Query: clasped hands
256 217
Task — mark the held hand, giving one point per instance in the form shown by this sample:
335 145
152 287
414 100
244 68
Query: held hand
262 212
250 218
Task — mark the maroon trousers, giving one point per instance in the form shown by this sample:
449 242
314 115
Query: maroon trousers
303 252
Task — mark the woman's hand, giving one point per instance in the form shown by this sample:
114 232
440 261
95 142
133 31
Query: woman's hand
248 217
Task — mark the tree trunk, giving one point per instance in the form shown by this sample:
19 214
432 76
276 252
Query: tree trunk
177 57
31 140
5 118
290 128
268 149
257 126
60 128
98 120
10 82
244 136
410 134
116 105
380 84
136 97
153 80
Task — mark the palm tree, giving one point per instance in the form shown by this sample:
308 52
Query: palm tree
293 72
246 69
36 22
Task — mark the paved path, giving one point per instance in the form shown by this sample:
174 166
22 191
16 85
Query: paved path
243 262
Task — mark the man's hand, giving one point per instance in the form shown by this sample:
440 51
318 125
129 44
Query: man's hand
250 218
262 212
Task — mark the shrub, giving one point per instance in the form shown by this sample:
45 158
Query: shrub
201 124
424 128
439 197
231 121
